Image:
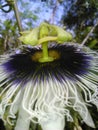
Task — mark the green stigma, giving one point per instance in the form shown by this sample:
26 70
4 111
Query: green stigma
44 34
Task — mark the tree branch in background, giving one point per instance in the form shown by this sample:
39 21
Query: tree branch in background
15 8
88 35
17 16
53 13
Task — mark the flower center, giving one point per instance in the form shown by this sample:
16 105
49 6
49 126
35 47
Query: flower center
52 53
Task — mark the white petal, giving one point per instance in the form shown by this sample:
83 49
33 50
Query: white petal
54 123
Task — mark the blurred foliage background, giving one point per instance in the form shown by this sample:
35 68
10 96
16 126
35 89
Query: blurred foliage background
77 16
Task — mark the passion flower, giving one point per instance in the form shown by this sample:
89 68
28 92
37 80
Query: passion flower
46 92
